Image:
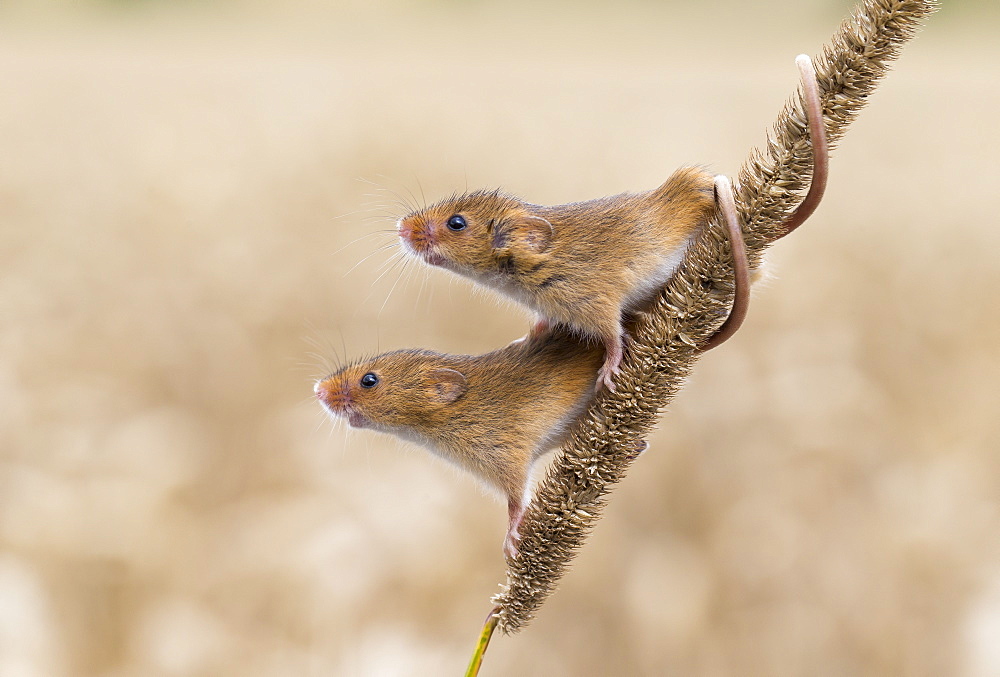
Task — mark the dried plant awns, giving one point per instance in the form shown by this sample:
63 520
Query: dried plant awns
570 499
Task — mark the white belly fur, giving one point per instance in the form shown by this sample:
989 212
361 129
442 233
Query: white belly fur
649 285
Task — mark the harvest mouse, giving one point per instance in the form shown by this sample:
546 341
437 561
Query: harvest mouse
493 415
587 265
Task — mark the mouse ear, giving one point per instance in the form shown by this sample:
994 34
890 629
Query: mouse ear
446 385
533 232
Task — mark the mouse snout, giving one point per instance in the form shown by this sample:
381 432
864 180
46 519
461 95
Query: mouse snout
332 395
418 235
411 230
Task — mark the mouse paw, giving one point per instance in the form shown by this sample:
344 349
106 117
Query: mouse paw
510 544
540 327
537 329
613 354
605 377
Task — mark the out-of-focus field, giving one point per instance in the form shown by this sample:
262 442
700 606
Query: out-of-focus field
183 192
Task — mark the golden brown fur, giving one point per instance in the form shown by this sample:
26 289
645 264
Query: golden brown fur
585 264
491 414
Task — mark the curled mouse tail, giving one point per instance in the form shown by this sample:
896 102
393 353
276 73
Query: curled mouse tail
727 203
820 146
741 268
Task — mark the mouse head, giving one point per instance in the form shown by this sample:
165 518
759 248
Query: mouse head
478 235
394 392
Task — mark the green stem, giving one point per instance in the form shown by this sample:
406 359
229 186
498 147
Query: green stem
484 641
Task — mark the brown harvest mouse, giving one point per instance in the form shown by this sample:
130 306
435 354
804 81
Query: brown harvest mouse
587 265
491 414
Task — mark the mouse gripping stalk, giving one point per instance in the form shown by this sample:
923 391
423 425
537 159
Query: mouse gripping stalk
493 415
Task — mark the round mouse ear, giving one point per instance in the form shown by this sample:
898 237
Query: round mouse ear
446 385
534 233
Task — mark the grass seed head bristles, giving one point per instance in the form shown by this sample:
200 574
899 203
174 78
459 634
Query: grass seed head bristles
569 501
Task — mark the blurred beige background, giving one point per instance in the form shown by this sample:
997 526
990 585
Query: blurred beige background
183 192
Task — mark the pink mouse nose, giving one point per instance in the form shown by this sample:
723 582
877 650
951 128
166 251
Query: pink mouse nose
416 232
334 396
405 228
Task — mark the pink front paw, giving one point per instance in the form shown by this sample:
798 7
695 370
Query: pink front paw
605 377
515 513
510 543
540 327
608 371
537 329
613 353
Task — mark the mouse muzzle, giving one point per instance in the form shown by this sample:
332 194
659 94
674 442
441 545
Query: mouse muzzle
419 240
337 401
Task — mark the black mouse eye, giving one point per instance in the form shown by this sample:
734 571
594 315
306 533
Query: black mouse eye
369 380
457 222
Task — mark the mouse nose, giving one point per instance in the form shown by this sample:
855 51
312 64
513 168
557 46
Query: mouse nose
416 232
334 397
404 227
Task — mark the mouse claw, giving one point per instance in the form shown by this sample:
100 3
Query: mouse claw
510 544
613 354
515 512
608 371
605 378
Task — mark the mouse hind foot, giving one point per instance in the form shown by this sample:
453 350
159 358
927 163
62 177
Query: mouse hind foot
614 351
515 512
